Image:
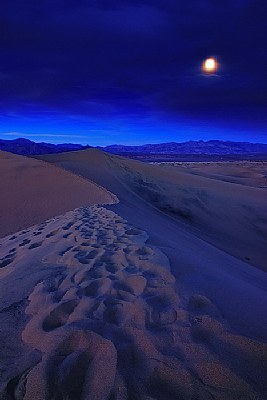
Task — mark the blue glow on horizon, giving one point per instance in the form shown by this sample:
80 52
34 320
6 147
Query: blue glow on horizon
128 131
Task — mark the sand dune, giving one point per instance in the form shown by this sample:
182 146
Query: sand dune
32 191
221 210
131 304
248 173
95 314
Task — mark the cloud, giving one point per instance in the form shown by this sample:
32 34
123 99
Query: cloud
139 57
32 135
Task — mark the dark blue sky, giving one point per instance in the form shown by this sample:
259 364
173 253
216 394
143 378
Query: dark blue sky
103 72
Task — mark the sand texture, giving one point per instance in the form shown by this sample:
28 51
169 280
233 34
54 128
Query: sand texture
33 191
90 311
223 203
161 294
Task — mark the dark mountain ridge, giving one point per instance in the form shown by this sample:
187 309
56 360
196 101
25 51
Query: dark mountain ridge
199 147
192 147
27 147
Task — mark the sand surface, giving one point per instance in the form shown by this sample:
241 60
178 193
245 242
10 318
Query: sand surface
230 215
197 265
90 311
33 191
129 302
248 173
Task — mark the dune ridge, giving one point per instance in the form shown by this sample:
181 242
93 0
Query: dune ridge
100 318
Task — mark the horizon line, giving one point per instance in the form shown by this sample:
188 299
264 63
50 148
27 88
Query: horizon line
130 145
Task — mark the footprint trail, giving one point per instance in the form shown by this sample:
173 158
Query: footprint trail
109 323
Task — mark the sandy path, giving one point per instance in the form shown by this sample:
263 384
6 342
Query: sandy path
100 319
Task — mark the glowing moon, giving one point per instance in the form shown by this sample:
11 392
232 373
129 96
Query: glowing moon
210 66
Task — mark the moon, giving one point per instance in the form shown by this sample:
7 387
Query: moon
210 66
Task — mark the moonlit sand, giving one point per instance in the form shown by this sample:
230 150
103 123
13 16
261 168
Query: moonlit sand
122 280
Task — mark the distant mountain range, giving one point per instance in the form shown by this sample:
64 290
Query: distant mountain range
211 147
26 147
191 147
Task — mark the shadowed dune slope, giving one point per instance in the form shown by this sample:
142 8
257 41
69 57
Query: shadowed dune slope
229 215
33 191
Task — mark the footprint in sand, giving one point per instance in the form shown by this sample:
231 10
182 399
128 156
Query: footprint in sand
97 288
23 232
52 233
35 245
16 387
52 283
82 366
67 235
134 284
86 244
113 268
59 316
85 257
37 233
24 242
163 316
13 237
68 226
6 262
132 269
145 253
118 311
96 273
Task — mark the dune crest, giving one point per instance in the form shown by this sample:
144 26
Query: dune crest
100 318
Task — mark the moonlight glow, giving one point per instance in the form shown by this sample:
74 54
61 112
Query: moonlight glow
210 66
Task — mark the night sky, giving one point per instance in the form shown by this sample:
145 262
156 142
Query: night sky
129 72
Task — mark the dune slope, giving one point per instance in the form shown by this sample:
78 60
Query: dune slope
91 307
197 265
248 173
231 216
33 191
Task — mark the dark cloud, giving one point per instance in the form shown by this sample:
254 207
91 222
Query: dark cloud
133 57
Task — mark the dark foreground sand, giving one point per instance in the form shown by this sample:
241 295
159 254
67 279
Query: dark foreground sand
93 307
